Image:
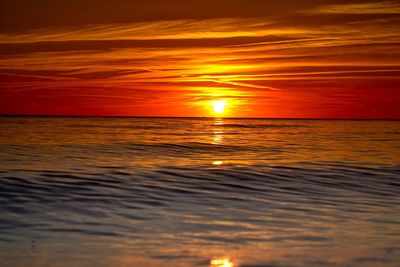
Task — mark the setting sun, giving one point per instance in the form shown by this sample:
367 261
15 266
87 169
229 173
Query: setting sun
219 106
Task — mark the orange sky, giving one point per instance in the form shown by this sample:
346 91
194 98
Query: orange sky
296 59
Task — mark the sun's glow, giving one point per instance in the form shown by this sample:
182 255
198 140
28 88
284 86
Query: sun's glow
219 106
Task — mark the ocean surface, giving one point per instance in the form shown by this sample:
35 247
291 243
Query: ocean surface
199 192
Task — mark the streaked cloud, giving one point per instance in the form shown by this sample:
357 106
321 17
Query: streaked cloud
378 7
156 30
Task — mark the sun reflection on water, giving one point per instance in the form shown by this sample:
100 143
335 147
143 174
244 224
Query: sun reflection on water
219 121
218 132
221 262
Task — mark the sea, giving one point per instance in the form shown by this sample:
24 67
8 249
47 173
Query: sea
207 192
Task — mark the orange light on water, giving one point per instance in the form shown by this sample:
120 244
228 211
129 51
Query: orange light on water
221 262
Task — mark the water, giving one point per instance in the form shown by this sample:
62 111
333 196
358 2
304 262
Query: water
199 192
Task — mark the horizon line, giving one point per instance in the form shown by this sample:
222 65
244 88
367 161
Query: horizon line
189 117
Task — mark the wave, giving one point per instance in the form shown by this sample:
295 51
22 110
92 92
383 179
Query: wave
334 187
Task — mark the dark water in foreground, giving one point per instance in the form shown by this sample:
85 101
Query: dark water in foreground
199 192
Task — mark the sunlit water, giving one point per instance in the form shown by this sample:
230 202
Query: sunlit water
199 192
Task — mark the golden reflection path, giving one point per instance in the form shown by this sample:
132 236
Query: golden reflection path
218 131
221 262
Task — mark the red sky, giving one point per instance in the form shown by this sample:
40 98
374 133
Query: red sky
296 59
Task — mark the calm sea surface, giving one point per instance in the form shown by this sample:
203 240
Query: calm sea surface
198 192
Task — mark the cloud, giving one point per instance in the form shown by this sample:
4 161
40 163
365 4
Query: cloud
381 7
22 15
155 30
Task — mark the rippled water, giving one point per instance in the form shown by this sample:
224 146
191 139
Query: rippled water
199 192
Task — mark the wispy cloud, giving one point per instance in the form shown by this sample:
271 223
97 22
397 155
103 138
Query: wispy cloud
159 30
378 7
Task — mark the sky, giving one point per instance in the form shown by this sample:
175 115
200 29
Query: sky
274 59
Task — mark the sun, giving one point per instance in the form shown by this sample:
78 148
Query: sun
219 106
